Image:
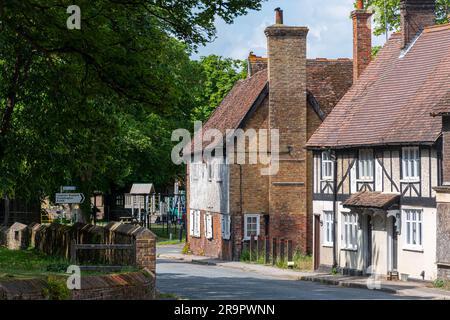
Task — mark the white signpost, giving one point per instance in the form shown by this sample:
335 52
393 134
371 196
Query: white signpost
69 198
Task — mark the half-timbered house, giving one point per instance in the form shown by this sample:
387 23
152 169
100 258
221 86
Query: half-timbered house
378 156
227 202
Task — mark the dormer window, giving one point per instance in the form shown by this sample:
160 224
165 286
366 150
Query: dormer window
365 164
327 166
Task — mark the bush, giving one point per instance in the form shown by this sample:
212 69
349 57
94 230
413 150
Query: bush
56 289
439 283
186 249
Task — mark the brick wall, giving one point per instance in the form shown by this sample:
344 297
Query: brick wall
14 237
443 233
362 41
130 286
215 247
56 239
415 15
288 113
446 149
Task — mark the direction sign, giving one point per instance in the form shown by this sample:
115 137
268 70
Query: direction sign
68 198
69 188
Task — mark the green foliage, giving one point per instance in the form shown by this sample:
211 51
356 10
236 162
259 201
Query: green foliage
439 283
56 289
301 261
96 107
29 263
388 11
334 271
375 50
186 248
220 75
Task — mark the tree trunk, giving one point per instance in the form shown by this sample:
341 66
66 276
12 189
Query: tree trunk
6 218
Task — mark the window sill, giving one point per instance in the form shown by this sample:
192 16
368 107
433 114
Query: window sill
349 249
365 180
326 180
414 249
410 180
328 245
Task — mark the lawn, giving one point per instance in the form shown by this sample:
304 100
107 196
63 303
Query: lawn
30 263
163 234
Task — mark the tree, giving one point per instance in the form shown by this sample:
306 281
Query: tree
74 102
220 75
388 11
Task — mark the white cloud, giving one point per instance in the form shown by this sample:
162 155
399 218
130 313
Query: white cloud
330 34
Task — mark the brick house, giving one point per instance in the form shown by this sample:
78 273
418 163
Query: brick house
228 203
378 157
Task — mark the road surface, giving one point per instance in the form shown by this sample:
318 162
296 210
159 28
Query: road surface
193 281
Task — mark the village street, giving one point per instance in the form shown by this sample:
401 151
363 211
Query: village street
196 281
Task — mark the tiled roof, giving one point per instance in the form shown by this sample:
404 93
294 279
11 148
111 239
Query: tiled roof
392 100
369 199
327 81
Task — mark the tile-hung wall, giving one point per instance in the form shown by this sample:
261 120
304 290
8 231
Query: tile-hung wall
410 171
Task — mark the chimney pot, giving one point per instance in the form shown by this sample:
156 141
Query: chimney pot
278 16
360 5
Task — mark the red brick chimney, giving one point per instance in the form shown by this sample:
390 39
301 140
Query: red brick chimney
362 39
415 15
288 206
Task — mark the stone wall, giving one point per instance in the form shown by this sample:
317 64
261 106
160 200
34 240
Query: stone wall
14 237
56 239
130 286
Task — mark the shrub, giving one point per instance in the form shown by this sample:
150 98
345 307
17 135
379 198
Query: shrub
56 289
186 249
439 283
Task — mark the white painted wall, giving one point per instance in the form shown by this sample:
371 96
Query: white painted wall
409 262
414 262
209 195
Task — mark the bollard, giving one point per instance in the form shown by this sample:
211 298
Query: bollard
252 237
267 251
274 251
282 249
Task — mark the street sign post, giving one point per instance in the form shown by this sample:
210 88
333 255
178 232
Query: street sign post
69 198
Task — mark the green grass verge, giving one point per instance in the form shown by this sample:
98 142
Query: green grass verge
301 262
163 234
442 284
30 263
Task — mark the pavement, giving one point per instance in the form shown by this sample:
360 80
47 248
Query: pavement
202 277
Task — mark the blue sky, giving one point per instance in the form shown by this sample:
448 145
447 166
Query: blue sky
330 29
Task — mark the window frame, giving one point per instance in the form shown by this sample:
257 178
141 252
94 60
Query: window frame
208 219
414 229
258 224
226 226
195 172
349 232
194 224
328 222
325 162
366 164
411 163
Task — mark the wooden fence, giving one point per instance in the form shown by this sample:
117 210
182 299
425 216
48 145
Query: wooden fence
271 250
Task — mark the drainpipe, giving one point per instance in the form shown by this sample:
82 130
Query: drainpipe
334 159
